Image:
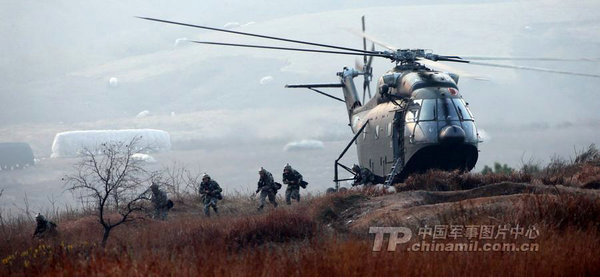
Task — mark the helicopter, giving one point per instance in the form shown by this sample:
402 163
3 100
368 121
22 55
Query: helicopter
417 118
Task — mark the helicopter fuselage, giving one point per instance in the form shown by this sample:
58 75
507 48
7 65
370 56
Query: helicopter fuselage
417 115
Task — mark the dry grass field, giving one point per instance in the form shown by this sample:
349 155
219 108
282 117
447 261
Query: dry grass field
328 234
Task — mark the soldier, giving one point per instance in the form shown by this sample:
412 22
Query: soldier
160 201
293 180
211 193
267 187
44 227
362 176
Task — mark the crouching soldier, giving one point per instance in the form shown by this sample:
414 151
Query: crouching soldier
44 228
160 201
267 188
362 176
293 180
211 194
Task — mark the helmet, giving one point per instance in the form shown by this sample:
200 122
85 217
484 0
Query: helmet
261 170
205 176
356 168
287 167
154 186
40 217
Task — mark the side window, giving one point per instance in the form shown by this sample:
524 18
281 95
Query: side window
427 111
411 114
468 110
462 109
377 132
389 129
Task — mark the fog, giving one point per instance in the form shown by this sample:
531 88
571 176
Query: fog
68 65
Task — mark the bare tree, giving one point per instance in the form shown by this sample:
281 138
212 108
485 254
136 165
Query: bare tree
113 181
178 180
173 177
3 224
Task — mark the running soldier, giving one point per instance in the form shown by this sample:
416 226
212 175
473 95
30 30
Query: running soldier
160 201
267 188
211 194
293 180
44 228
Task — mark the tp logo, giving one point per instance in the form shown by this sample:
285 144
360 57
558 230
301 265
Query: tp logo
394 239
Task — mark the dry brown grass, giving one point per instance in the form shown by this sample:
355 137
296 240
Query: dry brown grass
583 171
197 246
305 239
437 180
560 212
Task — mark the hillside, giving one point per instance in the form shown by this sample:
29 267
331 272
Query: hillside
557 209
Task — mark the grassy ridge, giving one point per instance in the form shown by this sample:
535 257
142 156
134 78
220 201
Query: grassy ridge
313 238
296 241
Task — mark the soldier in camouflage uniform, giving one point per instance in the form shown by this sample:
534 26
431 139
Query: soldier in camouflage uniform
211 194
160 201
363 176
44 228
293 180
267 188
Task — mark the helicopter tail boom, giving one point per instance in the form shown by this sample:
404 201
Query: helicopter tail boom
348 87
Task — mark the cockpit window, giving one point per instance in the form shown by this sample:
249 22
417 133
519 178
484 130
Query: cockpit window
427 110
411 114
446 110
462 109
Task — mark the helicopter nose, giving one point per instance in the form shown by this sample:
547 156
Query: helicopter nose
452 134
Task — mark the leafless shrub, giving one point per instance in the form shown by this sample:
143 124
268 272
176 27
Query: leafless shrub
591 155
529 166
178 180
581 171
112 180
3 223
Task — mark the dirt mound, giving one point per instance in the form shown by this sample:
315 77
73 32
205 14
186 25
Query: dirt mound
485 204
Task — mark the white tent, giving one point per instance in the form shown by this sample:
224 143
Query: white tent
70 144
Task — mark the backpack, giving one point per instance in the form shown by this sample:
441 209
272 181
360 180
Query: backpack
277 186
170 204
303 184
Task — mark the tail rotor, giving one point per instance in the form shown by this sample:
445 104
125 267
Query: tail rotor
365 67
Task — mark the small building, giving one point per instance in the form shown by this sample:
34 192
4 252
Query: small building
15 155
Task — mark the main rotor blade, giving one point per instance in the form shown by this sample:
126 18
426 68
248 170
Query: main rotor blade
447 68
534 69
334 85
492 58
288 48
254 35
